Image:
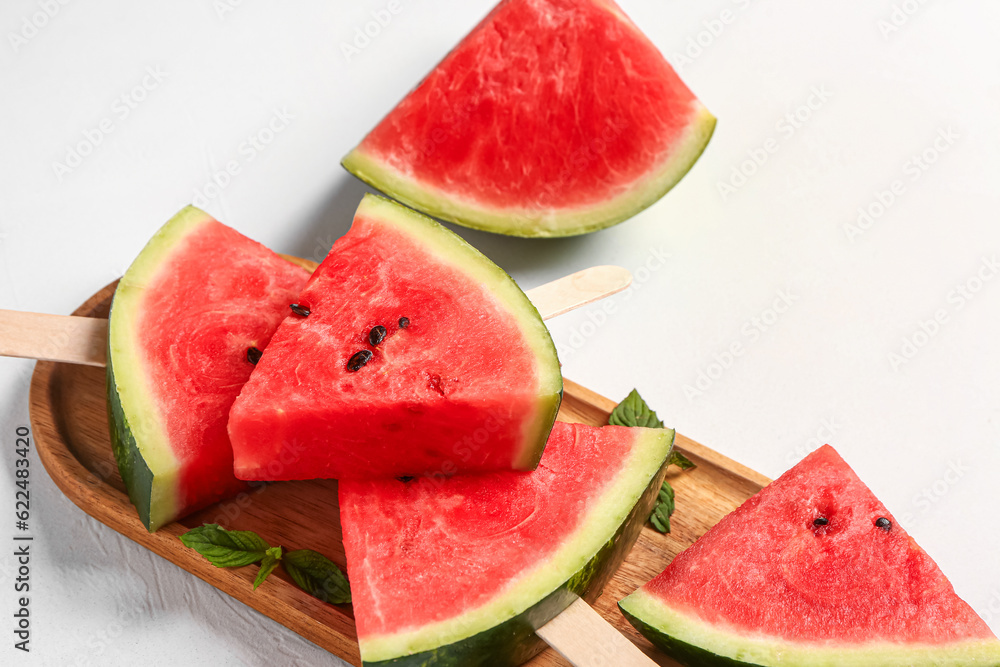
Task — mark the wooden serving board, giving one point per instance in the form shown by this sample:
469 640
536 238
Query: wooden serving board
69 418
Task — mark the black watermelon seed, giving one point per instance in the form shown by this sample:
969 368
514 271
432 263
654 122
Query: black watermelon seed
253 355
405 479
299 310
404 322
376 335
883 523
820 521
358 360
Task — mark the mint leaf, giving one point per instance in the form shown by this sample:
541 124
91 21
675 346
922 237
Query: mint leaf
312 572
679 460
226 548
317 575
271 559
633 411
660 518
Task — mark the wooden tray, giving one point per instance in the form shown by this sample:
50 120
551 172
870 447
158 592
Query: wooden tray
69 418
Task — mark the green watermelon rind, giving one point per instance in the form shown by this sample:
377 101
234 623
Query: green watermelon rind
451 249
695 642
530 223
135 473
493 635
142 449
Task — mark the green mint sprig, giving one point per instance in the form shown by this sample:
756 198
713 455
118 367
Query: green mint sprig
679 460
271 560
226 548
317 575
633 411
660 518
311 571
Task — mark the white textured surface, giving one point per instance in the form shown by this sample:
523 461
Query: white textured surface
98 599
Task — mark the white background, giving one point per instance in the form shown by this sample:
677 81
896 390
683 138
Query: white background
821 371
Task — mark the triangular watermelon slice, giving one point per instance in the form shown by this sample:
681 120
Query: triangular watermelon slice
184 318
551 118
410 353
813 570
461 571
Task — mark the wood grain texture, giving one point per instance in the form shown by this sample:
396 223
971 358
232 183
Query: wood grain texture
69 418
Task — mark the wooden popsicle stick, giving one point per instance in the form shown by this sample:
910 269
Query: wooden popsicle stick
583 637
82 340
74 340
578 289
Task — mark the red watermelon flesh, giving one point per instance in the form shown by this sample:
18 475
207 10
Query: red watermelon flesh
812 561
184 315
471 382
199 320
434 562
551 117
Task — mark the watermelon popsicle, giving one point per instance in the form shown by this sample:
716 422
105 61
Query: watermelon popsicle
812 570
186 314
417 355
460 571
84 340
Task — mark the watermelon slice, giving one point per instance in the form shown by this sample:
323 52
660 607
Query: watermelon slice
460 571
813 570
197 297
412 354
551 118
